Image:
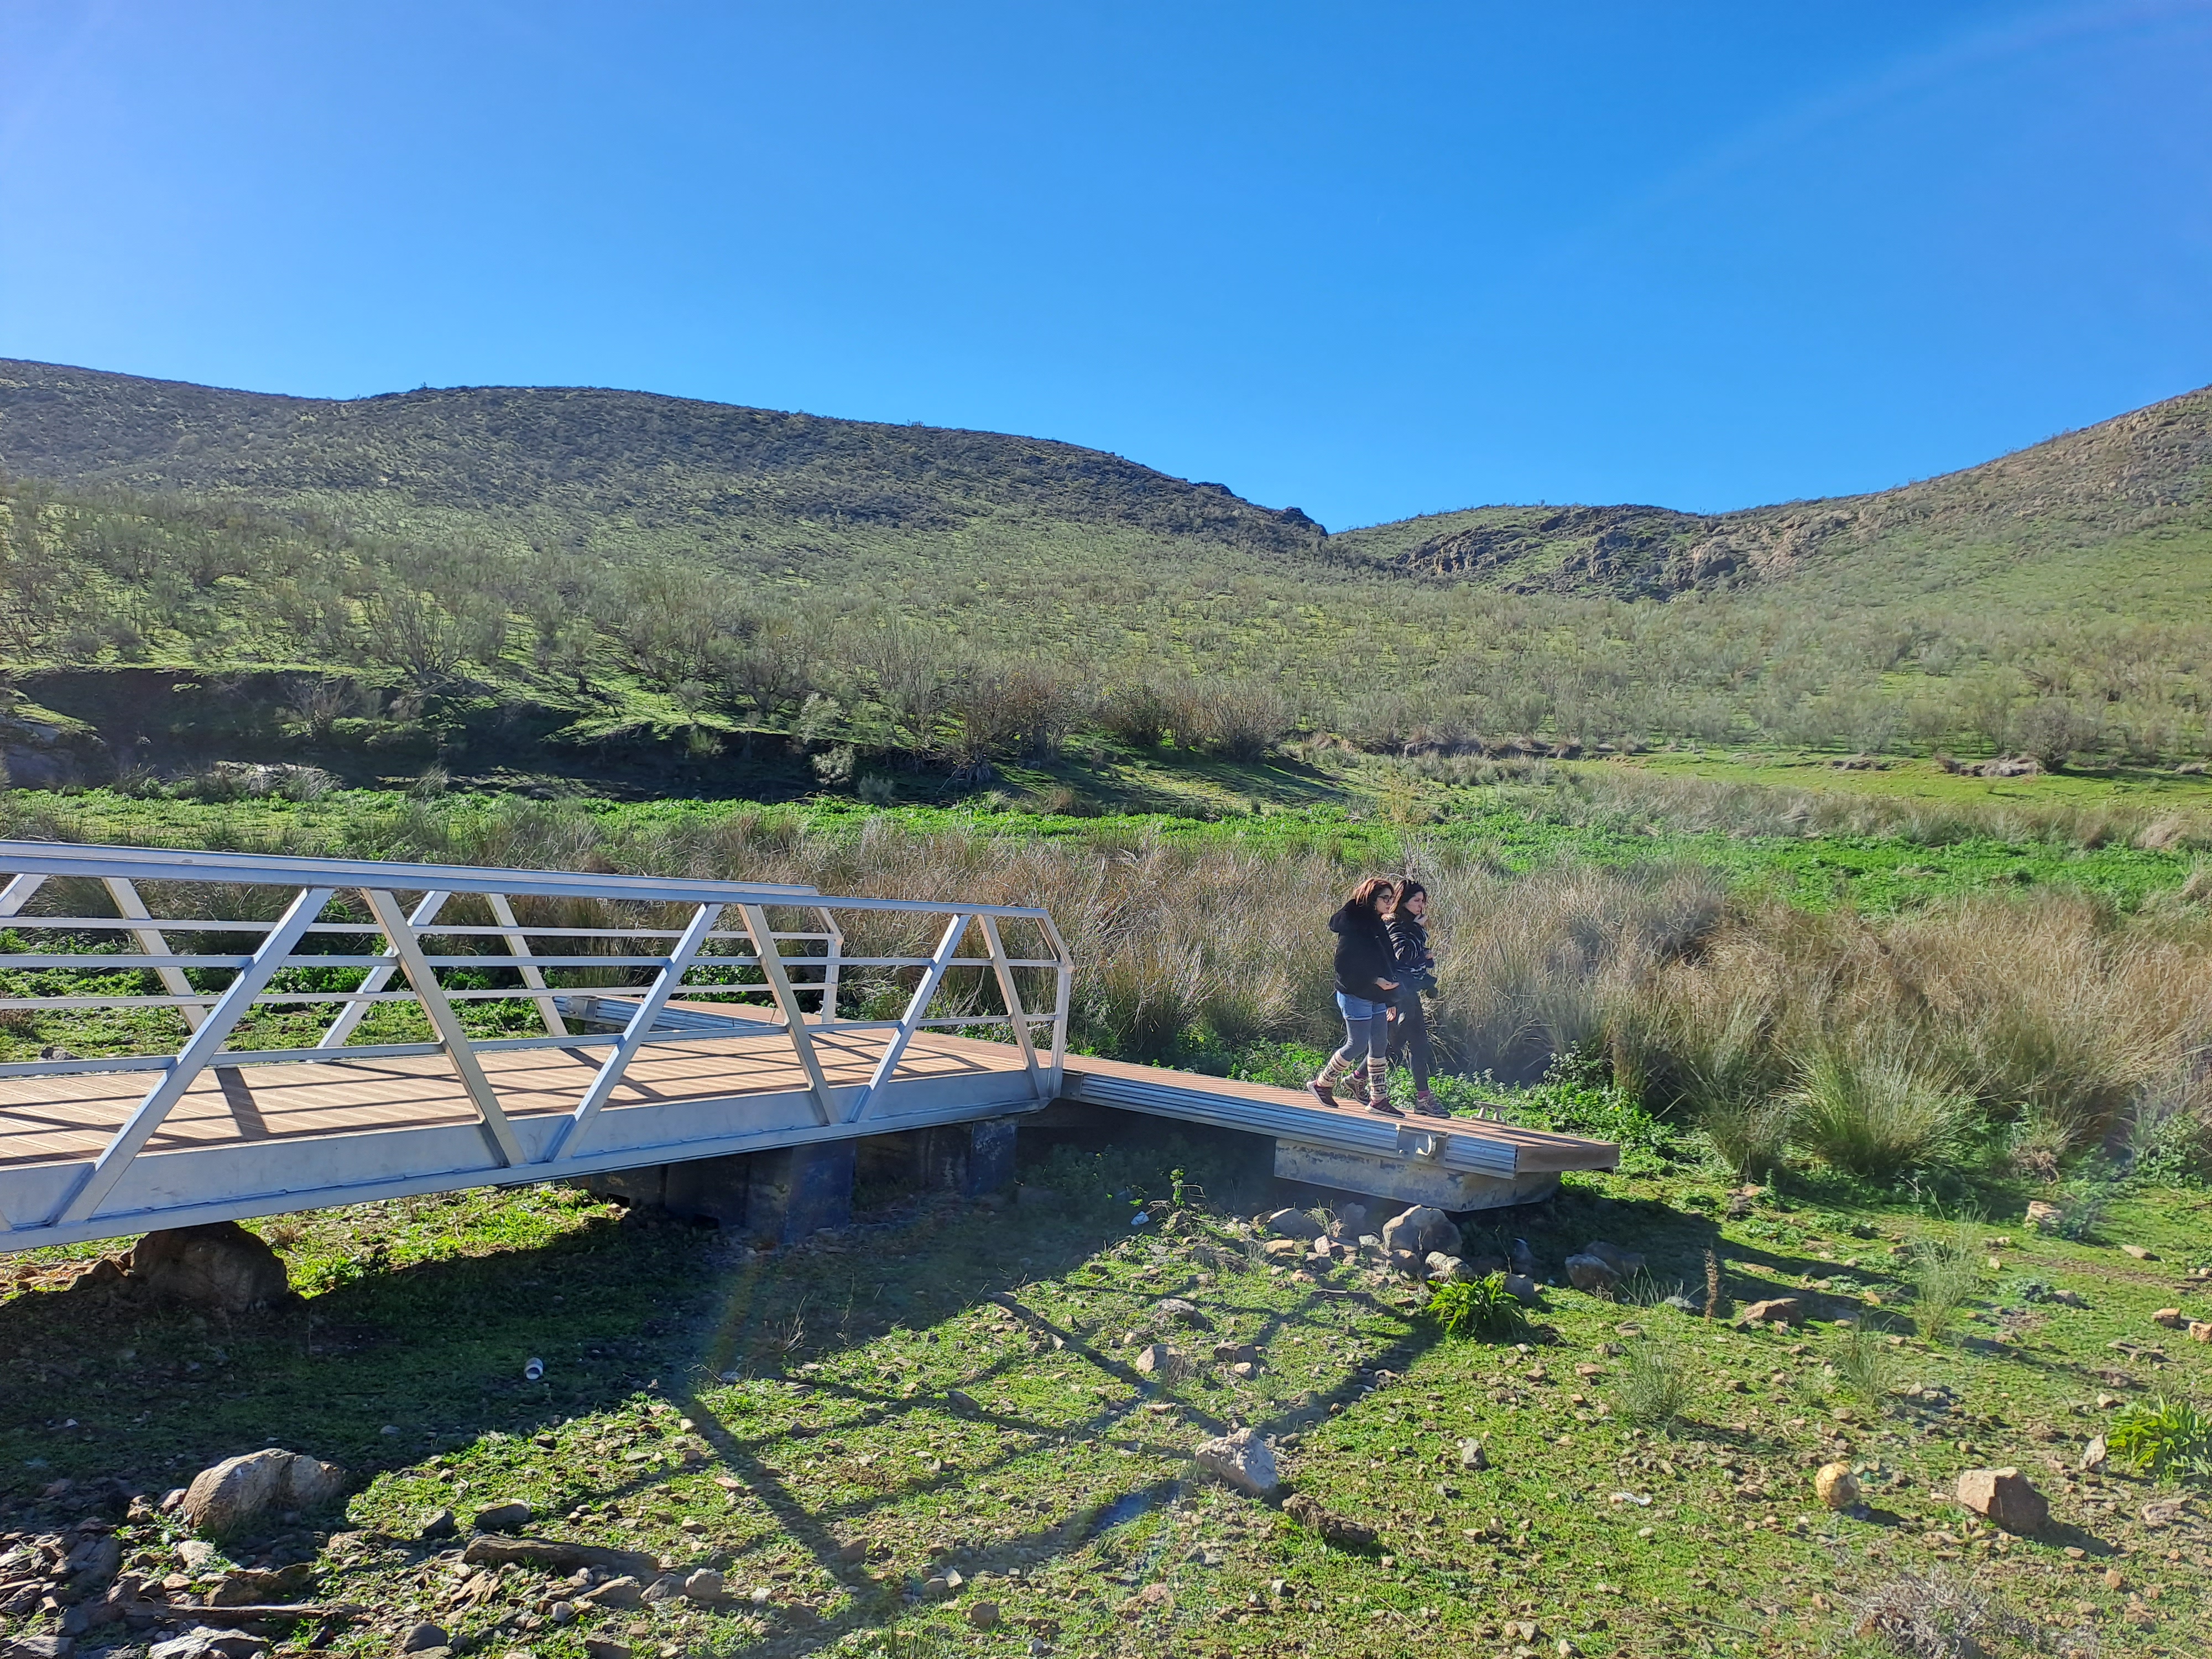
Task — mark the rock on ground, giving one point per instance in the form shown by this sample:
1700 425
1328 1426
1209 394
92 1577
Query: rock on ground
1420 1229
1243 1459
1593 1274
203 1643
424 1637
221 1266
37 1647
1155 1357
2005 1498
1447 1269
503 1517
240 1491
1626 1263
1521 1287
1776 1311
1472 1456
2093 1454
1291 1224
1332 1529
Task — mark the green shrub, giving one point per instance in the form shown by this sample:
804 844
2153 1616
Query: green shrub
1653 1387
1867 1363
2161 1436
1946 1272
1475 1307
1875 1116
1752 1137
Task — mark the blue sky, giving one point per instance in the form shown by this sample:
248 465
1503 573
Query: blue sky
1368 260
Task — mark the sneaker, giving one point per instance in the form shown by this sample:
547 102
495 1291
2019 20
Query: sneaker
1321 1092
1425 1105
1385 1108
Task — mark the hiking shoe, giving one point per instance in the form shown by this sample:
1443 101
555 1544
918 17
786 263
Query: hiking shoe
1321 1092
1385 1108
1425 1105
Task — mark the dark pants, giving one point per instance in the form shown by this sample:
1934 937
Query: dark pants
1409 1033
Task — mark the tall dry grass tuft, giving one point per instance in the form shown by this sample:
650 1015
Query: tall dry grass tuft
1877 1113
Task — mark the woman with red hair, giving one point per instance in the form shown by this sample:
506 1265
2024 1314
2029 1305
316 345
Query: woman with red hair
1366 988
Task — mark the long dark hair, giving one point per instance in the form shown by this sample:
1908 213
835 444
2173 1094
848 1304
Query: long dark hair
1406 888
1372 896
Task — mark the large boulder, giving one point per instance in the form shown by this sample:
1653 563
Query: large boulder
1243 1459
220 1266
241 1491
2005 1498
1420 1229
1593 1274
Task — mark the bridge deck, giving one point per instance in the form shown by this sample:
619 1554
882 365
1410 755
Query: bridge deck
61 1119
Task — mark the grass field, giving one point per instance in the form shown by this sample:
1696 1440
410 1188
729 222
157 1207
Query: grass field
876 1437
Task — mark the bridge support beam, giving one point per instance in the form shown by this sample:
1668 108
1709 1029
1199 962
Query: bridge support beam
970 1159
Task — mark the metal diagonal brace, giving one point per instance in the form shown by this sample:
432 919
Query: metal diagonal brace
131 908
548 1010
771 964
570 1135
17 894
200 1048
1015 1012
498 1132
917 1006
353 1013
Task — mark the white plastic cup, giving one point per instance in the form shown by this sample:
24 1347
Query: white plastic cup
533 1369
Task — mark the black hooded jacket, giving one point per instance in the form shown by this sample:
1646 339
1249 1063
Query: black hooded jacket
1363 953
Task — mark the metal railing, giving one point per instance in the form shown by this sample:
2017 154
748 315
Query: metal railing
335 948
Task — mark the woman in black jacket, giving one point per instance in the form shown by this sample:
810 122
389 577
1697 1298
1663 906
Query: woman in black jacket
1416 968
1365 987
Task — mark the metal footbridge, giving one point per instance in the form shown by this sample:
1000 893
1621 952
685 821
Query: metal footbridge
249 1034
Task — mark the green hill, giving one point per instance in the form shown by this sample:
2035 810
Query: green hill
578 460
2066 515
636 591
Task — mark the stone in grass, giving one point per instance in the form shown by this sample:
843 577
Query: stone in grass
1446 1269
241 1491
1420 1229
704 1586
1775 1310
983 1615
37 1646
1837 1486
2005 1498
1521 1287
601 1647
510 1516
2093 1454
622 1592
2139 1253
2172 1318
1235 1353
1175 1309
1154 1358
205 1642
424 1637
1592 1273
1472 1456
1332 1529
438 1523
1291 1224
1243 1459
